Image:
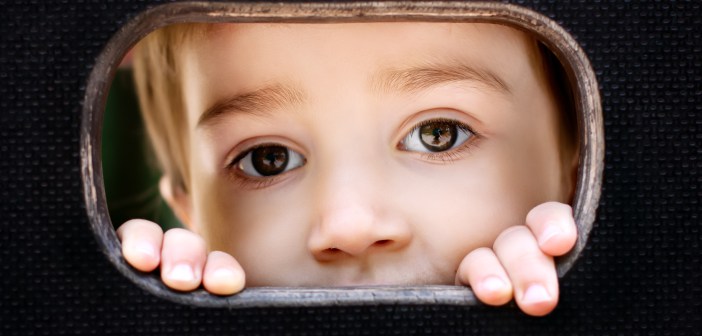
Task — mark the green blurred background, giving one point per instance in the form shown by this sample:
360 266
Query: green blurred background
129 166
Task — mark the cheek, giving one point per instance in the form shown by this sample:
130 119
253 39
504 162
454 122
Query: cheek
532 161
264 231
531 139
462 206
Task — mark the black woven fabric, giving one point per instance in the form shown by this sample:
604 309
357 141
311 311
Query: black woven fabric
640 274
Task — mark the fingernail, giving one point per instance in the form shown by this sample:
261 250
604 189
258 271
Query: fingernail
536 294
223 273
553 229
147 249
492 284
182 272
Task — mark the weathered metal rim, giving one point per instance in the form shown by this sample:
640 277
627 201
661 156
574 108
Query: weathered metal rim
574 60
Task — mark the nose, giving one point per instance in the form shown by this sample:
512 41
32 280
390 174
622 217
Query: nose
354 216
357 230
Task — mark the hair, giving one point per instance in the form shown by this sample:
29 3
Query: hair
158 80
158 77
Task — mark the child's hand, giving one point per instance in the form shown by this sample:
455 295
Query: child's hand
182 256
520 263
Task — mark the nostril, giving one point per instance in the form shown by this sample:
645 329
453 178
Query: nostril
335 253
381 243
329 254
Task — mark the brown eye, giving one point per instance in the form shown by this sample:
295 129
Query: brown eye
268 160
438 136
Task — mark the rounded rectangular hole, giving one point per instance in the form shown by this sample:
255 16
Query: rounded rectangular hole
559 52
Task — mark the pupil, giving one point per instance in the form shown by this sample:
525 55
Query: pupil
270 160
438 136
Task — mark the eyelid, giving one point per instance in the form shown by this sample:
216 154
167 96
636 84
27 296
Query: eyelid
463 127
239 150
447 155
475 125
243 162
442 113
446 120
244 148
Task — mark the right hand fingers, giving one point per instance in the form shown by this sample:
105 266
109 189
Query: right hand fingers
182 259
141 244
482 271
223 274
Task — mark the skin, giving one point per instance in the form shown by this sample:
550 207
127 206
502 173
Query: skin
366 206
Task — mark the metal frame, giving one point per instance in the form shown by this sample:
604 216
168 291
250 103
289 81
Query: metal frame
566 49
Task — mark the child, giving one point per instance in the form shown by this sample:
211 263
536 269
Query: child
356 154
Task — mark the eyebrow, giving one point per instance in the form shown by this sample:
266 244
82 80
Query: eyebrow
259 102
418 78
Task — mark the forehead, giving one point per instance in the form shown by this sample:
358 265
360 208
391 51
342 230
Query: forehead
359 33
258 46
233 59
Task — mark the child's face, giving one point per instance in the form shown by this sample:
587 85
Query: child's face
392 149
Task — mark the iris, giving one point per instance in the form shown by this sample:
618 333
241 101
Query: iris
270 160
438 136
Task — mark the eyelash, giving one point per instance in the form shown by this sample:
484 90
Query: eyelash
450 155
246 181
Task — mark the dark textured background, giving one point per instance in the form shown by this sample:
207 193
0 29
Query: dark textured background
640 274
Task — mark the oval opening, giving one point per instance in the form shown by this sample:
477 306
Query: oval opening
559 51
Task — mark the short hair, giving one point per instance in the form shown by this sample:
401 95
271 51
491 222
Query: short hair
158 77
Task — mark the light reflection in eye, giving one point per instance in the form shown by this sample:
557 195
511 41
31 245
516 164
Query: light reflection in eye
268 160
436 135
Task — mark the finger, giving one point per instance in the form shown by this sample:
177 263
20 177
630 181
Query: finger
532 273
553 225
141 243
182 259
223 275
482 271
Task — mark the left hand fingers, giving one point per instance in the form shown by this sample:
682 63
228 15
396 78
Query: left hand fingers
481 270
553 226
533 273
